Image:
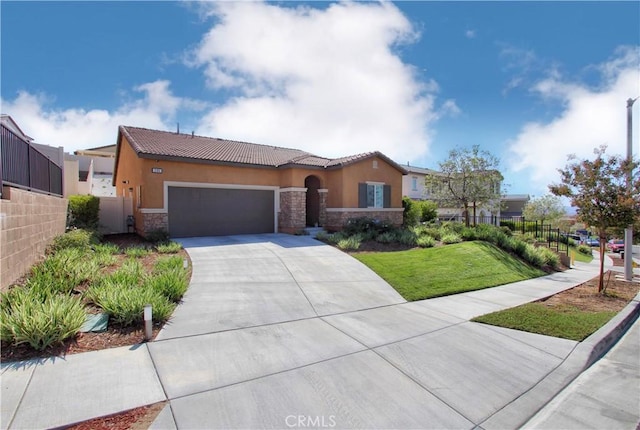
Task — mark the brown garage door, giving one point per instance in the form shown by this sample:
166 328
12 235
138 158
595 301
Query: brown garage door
219 211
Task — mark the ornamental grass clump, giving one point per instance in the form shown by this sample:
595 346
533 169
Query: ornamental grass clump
136 252
125 303
425 242
168 247
63 271
351 243
171 284
26 316
451 238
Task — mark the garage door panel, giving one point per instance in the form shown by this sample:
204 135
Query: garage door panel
219 211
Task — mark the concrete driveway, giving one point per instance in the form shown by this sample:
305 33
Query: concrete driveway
281 331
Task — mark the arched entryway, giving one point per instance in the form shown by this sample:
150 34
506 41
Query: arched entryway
312 184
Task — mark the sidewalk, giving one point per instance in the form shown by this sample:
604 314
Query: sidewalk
61 391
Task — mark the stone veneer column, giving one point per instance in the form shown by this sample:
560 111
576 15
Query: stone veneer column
152 222
292 215
323 192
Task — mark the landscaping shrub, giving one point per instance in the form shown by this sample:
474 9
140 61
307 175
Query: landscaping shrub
434 232
351 243
406 237
157 236
125 303
469 234
425 241
529 238
367 226
548 257
452 226
334 238
507 231
532 256
428 211
136 252
518 246
27 318
78 238
130 273
84 212
168 263
387 237
508 224
62 272
450 238
172 284
412 212
107 248
585 249
323 236
170 247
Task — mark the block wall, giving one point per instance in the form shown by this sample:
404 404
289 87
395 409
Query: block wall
28 223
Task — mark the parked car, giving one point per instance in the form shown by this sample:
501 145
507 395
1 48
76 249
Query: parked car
592 242
615 245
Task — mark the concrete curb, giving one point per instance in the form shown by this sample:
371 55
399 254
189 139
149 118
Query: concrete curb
517 413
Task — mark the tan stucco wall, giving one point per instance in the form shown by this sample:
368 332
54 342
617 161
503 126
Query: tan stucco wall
364 171
28 223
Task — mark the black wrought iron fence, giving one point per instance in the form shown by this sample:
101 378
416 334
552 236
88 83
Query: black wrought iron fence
23 166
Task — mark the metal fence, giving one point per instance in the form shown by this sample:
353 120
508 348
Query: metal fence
23 166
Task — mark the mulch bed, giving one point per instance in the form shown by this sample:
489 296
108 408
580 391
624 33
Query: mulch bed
114 337
134 419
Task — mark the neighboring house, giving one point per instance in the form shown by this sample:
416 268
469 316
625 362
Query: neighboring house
413 186
512 205
200 186
90 171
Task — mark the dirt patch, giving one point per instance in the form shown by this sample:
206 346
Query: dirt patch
116 335
585 296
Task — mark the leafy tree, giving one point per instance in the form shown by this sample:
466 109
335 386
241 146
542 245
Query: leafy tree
599 190
545 208
411 213
467 178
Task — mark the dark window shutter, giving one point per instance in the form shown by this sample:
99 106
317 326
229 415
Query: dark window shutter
362 195
386 196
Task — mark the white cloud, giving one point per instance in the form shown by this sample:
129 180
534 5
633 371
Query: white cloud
80 129
470 34
326 81
590 117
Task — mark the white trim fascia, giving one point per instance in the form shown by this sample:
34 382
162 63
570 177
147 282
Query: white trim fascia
323 190
152 211
374 183
274 188
365 209
290 189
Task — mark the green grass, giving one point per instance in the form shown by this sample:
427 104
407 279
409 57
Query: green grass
423 273
578 256
566 322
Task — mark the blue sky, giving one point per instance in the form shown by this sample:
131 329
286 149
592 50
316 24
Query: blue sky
528 81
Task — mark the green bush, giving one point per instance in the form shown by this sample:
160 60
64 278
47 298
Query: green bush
451 238
532 256
585 249
130 273
406 237
157 236
507 231
548 257
107 248
136 252
387 237
78 238
434 232
469 234
425 242
351 243
27 318
453 226
412 212
83 212
518 246
366 226
170 247
508 224
428 211
334 238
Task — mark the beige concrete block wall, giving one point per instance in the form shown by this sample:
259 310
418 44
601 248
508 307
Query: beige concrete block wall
28 223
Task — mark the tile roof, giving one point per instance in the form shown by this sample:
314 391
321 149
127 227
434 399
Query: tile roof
152 143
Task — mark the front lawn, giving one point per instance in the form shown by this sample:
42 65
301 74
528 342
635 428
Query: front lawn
423 273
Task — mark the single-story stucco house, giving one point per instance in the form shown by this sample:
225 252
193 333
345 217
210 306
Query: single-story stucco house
200 186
